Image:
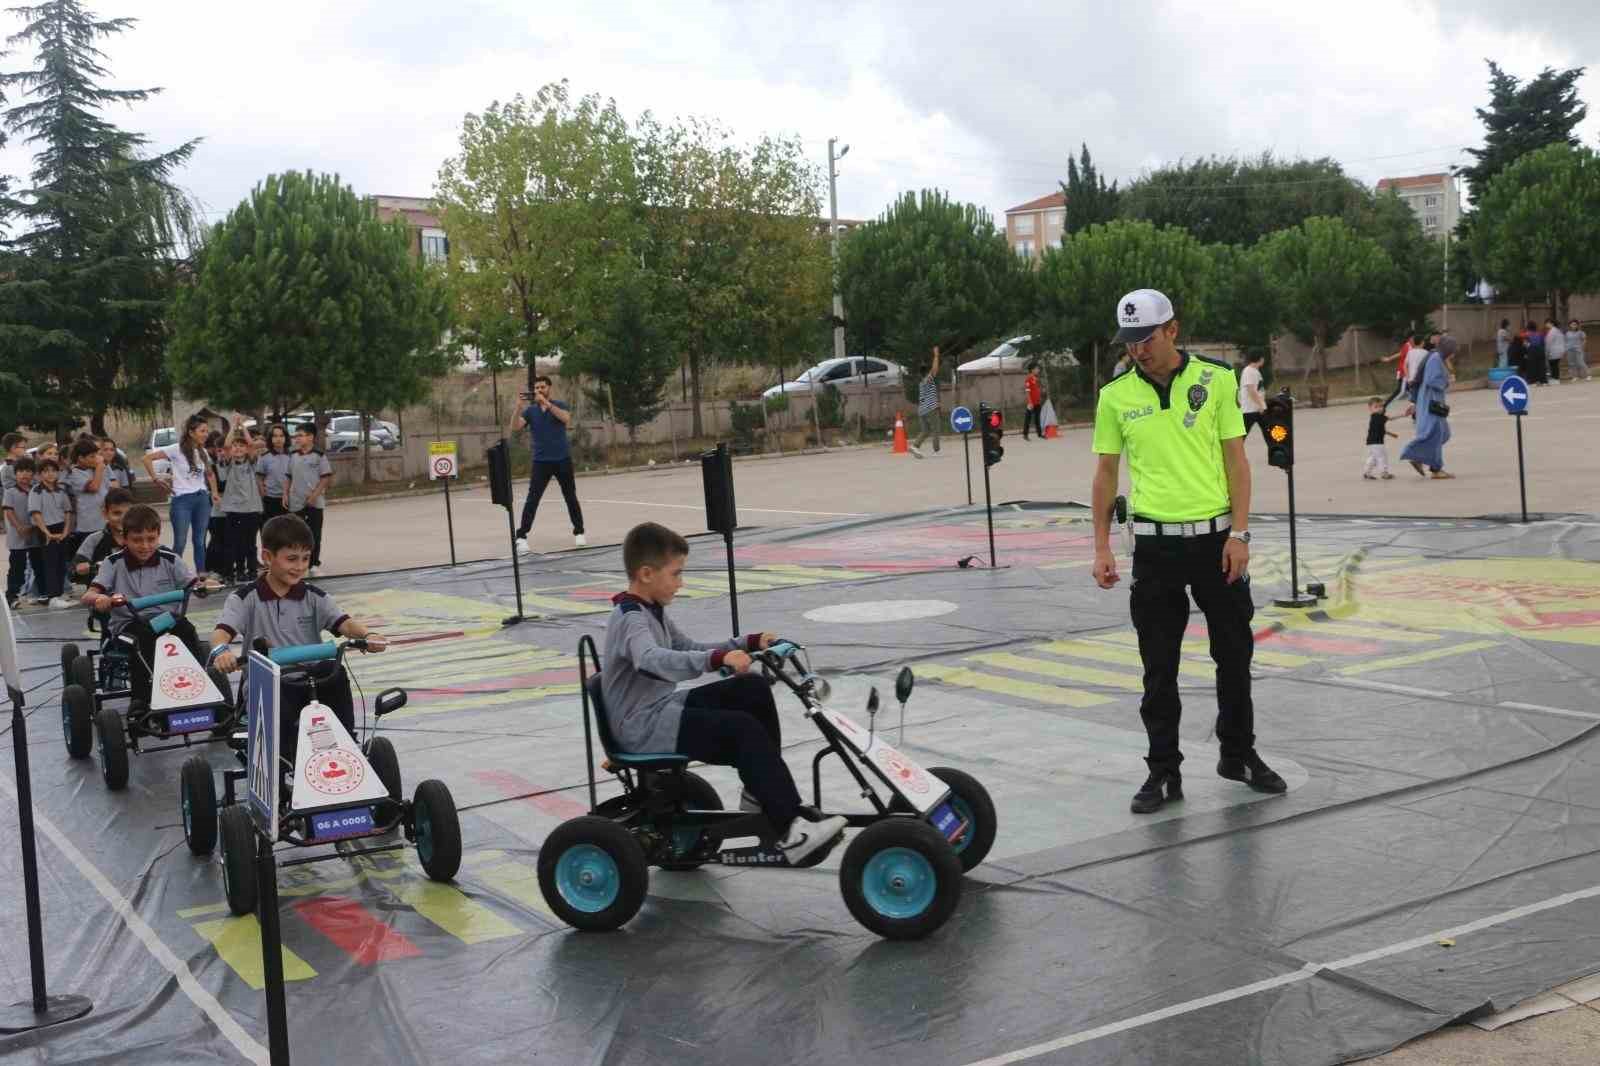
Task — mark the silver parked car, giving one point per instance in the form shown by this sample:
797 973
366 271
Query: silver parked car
853 374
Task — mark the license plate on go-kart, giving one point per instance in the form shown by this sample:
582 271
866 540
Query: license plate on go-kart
191 721
336 825
945 819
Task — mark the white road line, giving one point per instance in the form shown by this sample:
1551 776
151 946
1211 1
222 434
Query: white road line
1550 710
1305 973
225 1022
1384 686
697 507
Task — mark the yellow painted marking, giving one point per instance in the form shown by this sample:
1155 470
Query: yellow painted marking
452 911
238 943
518 882
1029 690
442 675
1198 647
563 606
1396 661
1087 675
201 912
1101 651
816 574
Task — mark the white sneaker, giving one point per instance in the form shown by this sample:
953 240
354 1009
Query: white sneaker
523 547
915 451
61 603
40 601
580 540
805 837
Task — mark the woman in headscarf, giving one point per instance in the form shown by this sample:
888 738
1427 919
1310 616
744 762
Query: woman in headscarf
1426 449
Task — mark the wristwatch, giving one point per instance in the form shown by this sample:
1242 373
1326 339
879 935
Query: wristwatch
1240 535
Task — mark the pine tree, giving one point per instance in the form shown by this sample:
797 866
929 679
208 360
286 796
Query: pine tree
1088 199
1523 117
91 265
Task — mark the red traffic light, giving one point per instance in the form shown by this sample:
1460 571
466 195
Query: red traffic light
996 419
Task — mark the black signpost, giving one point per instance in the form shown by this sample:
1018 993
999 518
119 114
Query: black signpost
1277 422
1514 398
961 422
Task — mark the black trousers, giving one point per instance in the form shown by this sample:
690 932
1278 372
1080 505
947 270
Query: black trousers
1165 571
1399 387
1252 419
542 473
271 507
50 576
734 722
145 638
313 517
1032 419
297 692
241 560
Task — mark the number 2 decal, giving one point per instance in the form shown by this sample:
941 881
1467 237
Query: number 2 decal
172 649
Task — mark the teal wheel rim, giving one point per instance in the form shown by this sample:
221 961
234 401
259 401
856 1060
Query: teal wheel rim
587 878
898 883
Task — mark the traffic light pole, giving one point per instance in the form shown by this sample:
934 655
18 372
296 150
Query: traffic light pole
988 509
1294 599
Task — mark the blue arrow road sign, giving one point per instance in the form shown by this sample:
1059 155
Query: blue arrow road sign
1514 395
961 420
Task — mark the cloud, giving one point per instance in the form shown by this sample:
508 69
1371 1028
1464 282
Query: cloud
986 101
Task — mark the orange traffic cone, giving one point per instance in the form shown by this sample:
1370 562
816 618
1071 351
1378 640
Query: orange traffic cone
1050 431
901 445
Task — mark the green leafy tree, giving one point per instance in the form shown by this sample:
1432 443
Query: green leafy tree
540 202
1080 282
87 277
1241 305
629 358
1412 286
1325 275
1089 201
302 297
729 234
929 271
1539 224
1239 201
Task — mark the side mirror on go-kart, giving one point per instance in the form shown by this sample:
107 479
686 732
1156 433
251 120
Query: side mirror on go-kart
872 700
904 682
390 699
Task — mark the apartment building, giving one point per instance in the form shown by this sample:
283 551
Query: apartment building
1036 225
428 238
1433 198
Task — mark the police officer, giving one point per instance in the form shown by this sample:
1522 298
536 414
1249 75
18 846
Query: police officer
1177 417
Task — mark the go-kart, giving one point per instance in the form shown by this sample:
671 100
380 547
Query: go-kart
900 876
188 704
336 792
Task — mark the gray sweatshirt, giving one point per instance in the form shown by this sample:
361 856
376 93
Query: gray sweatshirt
645 657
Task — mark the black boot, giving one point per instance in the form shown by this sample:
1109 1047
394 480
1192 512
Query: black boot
1164 783
1253 772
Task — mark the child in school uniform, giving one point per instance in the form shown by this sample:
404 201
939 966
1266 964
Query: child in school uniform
98 545
273 468
50 510
1377 465
241 508
310 474
87 481
22 539
15 446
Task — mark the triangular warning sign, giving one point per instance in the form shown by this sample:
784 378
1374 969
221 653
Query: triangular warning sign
176 679
329 769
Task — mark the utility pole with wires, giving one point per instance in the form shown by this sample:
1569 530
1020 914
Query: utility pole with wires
833 240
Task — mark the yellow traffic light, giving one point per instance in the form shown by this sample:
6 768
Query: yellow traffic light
1278 433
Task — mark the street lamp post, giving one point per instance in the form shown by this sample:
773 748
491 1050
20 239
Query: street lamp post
833 236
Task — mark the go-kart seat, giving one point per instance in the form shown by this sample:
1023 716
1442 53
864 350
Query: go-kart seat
659 761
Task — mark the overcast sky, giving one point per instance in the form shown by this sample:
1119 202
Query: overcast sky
983 100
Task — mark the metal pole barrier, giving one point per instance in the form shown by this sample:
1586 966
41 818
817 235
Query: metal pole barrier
271 951
43 1009
1522 476
450 522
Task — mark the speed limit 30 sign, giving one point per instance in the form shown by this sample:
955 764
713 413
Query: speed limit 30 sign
442 459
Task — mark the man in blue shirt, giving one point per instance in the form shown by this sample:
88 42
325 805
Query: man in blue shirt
547 421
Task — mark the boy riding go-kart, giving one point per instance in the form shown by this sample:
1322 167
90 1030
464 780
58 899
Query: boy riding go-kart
900 877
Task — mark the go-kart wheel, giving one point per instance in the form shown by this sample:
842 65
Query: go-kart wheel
971 801
593 874
69 652
698 795
113 748
77 720
386 764
197 795
900 878
433 813
238 859
81 672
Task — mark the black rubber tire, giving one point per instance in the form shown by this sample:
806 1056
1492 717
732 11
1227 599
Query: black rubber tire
77 721
112 744
632 870
979 836
69 652
386 764
438 828
699 795
238 859
197 798
81 672
914 835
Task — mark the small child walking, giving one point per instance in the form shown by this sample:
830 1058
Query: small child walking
1377 452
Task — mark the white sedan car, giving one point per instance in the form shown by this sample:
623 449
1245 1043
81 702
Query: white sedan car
854 374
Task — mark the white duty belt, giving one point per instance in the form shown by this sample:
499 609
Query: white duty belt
1143 527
